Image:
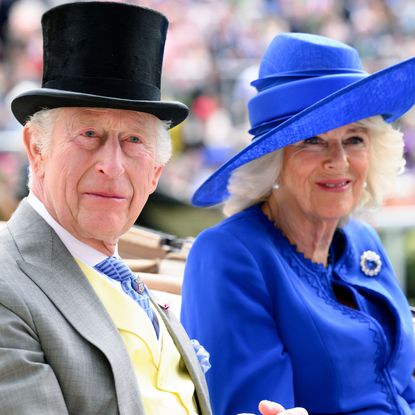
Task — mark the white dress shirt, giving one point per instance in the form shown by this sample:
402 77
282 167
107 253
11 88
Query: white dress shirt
78 249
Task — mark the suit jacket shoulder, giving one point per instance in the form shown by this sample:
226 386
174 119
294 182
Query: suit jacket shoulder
75 360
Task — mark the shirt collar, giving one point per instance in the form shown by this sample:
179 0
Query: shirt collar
78 249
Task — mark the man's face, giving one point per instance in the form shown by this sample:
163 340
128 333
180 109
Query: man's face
98 172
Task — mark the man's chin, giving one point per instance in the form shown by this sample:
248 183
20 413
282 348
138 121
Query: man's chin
108 231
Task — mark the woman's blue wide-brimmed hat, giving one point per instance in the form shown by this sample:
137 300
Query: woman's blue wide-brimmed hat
308 85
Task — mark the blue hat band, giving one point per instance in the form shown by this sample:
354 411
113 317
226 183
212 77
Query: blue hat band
261 129
284 77
281 101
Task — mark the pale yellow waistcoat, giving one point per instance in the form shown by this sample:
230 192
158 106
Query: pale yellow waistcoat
164 382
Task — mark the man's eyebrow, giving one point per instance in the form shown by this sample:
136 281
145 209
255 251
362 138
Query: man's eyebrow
87 115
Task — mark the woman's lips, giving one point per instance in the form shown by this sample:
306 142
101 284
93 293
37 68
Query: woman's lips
335 185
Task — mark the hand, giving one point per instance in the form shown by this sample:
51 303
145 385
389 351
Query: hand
273 408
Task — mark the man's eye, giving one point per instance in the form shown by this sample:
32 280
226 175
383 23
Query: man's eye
134 139
89 133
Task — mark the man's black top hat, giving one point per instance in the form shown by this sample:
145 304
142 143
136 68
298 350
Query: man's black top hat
101 54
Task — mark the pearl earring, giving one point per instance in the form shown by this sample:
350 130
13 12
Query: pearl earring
275 186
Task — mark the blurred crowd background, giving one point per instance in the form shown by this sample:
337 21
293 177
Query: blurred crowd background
212 51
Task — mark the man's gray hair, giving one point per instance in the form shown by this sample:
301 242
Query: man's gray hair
252 183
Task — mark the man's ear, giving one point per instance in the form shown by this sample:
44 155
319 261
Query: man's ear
158 169
33 152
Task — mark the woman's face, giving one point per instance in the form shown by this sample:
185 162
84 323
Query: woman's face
322 178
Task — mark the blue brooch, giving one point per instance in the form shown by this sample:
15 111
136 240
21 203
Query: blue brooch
370 263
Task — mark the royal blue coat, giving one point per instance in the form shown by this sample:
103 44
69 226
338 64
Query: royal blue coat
274 329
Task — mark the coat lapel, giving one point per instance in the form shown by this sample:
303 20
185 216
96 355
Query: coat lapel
52 268
181 340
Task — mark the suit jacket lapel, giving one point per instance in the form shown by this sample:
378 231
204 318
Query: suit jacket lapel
181 340
49 264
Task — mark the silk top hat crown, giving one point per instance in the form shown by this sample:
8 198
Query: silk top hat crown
308 85
101 54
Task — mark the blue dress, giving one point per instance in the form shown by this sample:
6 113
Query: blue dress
270 319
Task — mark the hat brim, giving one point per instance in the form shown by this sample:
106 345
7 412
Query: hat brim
389 92
30 102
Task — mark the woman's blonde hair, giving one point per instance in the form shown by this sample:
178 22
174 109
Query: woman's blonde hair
252 182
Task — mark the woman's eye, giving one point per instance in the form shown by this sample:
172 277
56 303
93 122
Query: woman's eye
313 140
355 140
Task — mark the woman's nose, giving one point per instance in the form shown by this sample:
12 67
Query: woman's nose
337 156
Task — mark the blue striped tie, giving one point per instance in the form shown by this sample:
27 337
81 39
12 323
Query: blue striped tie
116 269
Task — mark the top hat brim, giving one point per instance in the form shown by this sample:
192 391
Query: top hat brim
389 92
30 102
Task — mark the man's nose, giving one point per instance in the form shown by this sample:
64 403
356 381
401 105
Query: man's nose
110 159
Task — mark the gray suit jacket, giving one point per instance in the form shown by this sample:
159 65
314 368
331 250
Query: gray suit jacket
60 352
